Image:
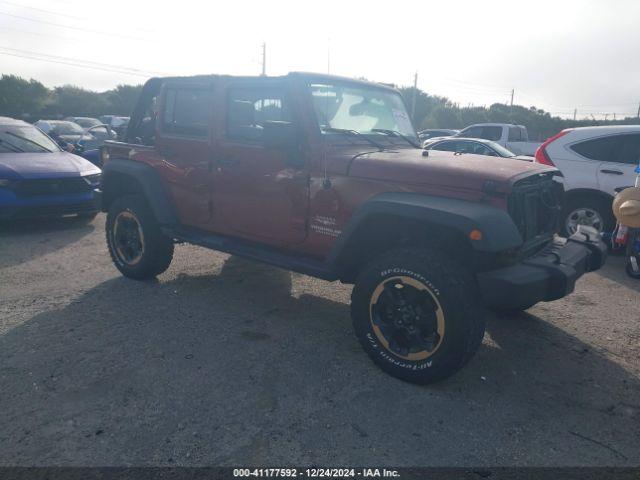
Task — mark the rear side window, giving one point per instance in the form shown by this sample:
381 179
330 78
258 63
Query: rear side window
248 108
614 148
187 112
491 133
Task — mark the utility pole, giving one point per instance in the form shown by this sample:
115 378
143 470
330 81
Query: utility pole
512 92
638 111
264 59
575 112
413 97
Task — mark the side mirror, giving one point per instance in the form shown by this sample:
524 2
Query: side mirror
279 135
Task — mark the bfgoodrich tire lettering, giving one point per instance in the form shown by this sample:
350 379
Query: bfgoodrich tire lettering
146 251
431 329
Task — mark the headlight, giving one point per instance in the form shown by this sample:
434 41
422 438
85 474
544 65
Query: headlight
93 179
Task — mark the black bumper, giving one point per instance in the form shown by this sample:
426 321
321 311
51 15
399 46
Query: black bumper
546 276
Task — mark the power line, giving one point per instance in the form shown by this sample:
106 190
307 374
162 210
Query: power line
88 30
76 62
50 12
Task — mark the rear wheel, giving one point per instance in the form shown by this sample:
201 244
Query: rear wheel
417 315
137 246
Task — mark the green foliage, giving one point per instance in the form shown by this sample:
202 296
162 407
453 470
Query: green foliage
31 100
18 96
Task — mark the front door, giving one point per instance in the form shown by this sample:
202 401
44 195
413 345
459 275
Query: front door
257 193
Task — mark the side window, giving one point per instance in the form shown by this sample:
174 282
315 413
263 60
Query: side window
515 134
445 146
480 149
249 108
473 132
491 133
187 112
604 149
630 151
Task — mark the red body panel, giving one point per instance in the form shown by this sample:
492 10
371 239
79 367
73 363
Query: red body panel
249 192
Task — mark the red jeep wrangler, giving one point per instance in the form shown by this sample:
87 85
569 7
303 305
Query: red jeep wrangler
323 175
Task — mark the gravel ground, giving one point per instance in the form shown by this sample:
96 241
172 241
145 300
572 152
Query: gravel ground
221 361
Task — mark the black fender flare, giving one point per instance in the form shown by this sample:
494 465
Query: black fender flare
499 232
149 180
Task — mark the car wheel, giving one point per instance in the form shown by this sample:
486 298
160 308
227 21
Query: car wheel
592 212
417 315
136 244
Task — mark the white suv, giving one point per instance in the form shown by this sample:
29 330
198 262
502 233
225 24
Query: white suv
596 163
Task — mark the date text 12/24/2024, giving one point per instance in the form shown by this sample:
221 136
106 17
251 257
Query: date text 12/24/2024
315 473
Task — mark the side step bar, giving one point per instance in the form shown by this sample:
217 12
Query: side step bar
240 248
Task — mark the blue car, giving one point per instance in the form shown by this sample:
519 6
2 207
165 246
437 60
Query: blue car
37 178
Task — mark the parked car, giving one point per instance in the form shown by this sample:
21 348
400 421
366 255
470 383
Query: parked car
323 175
85 122
71 136
477 146
38 178
435 132
116 123
513 137
596 162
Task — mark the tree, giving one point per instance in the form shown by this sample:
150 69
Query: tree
76 101
123 98
20 97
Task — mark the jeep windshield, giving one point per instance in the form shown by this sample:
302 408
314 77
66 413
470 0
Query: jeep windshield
367 110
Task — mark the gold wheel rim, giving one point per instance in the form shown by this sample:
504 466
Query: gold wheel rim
126 252
413 356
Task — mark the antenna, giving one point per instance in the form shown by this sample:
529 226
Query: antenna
328 55
264 59
413 97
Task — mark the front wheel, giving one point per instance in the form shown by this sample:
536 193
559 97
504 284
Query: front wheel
417 315
137 246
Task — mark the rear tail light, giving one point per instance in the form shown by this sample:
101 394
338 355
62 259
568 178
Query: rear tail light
541 153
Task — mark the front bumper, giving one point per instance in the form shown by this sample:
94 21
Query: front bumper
546 276
51 207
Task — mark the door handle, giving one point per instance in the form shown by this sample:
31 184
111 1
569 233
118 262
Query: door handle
612 172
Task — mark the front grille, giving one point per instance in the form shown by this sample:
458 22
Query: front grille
52 186
534 205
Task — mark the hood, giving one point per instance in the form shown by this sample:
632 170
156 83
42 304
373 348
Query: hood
15 166
444 169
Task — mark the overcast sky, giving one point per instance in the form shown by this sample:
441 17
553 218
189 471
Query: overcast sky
557 55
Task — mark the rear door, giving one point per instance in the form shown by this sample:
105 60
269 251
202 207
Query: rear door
183 143
257 193
617 156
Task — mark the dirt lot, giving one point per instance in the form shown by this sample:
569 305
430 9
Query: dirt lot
222 361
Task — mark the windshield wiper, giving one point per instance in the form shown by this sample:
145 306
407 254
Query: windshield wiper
11 146
30 141
395 133
354 133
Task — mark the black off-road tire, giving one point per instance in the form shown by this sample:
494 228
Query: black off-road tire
157 251
600 205
456 292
